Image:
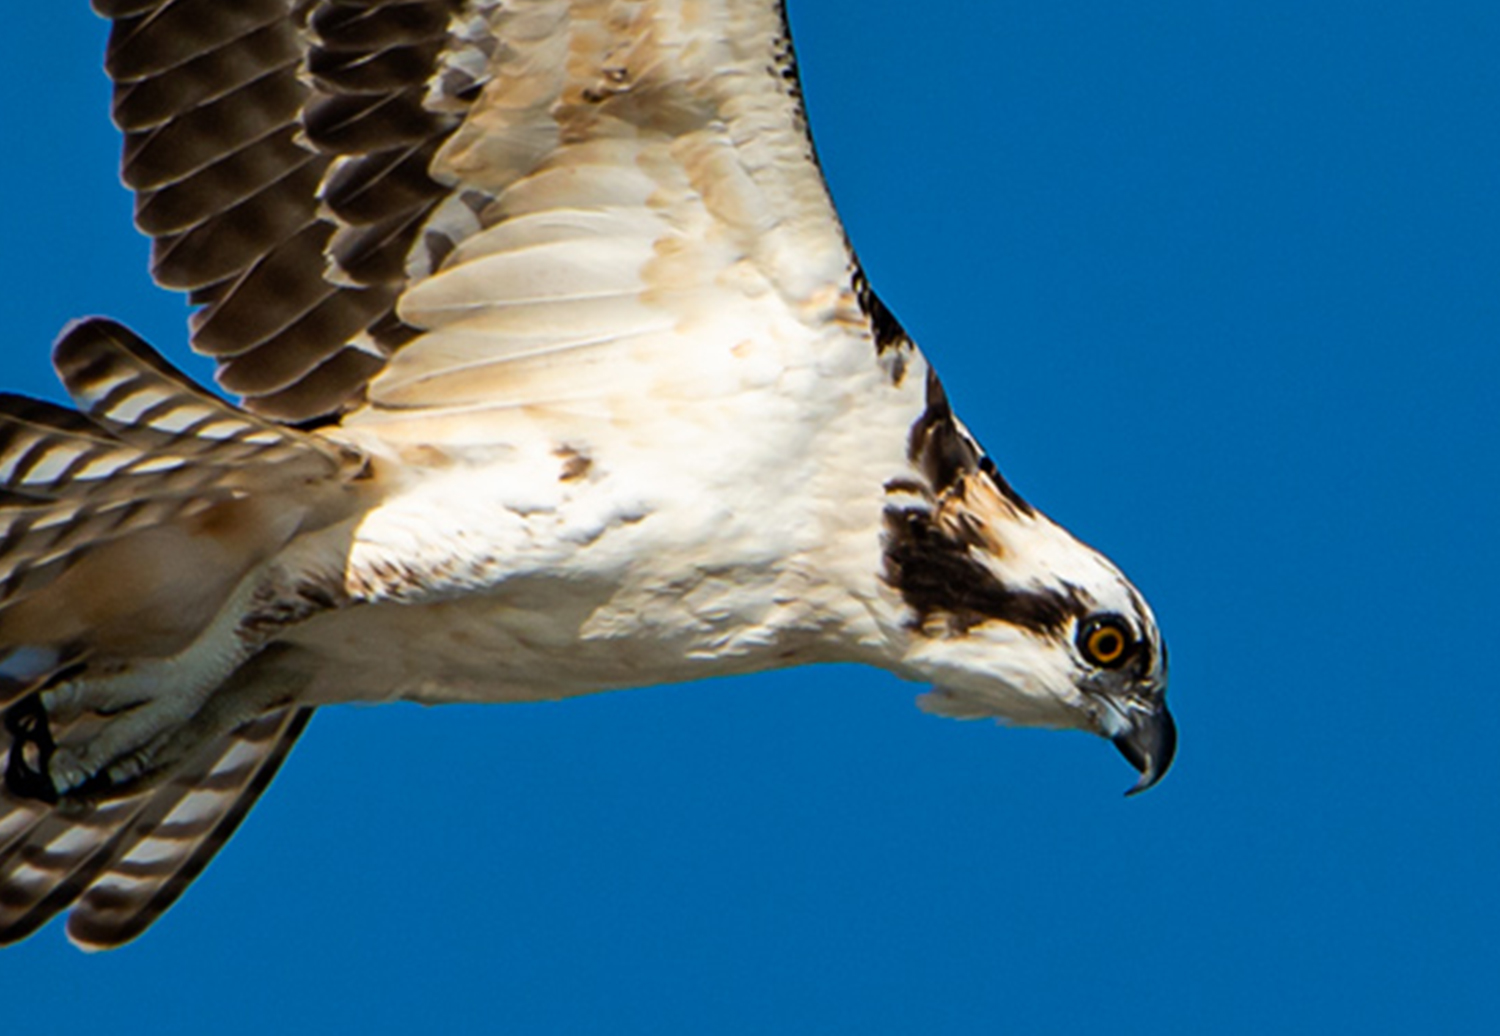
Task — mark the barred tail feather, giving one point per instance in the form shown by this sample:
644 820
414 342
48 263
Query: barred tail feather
40 542
139 725
160 495
128 389
121 864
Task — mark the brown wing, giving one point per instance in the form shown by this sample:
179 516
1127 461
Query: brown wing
279 153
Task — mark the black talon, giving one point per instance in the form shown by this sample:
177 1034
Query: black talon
31 749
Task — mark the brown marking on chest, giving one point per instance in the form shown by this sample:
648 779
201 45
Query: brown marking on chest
575 465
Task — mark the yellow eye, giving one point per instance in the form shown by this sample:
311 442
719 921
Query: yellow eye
1105 642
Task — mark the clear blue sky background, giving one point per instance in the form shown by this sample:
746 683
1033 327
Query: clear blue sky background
1216 283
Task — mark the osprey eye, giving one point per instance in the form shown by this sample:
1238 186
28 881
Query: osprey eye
1105 642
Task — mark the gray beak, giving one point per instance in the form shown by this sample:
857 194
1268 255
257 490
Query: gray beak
1149 745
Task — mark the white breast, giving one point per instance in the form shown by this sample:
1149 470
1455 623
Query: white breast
727 529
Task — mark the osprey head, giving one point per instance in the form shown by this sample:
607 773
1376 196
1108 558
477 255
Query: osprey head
1011 617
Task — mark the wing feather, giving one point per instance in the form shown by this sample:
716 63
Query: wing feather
338 182
234 115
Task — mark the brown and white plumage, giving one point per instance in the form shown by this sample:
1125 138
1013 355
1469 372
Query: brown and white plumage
122 863
558 376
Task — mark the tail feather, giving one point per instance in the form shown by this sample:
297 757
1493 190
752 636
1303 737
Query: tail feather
155 482
129 753
149 449
121 864
126 387
39 543
50 453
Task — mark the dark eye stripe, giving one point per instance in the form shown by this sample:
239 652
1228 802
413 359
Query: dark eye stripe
940 575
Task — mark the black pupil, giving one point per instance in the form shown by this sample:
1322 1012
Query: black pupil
1107 644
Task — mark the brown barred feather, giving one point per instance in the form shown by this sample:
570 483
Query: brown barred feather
279 152
281 361
338 377
37 544
100 512
149 450
143 103
268 298
254 171
120 864
125 386
155 37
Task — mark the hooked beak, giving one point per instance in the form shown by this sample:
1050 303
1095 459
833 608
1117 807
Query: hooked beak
1149 743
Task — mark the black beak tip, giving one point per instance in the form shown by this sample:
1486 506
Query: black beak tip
1149 748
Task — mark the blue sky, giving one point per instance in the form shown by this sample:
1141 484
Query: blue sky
1217 285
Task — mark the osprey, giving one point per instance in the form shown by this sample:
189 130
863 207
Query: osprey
557 376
